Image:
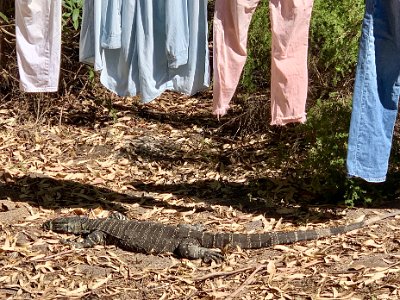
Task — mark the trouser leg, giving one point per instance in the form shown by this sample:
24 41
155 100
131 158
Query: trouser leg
231 24
376 92
290 22
38 35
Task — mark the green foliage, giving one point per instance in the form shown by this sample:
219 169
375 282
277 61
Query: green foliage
335 32
355 193
91 74
326 134
72 12
257 70
4 17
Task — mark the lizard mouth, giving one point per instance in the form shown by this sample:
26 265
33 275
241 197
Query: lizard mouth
46 226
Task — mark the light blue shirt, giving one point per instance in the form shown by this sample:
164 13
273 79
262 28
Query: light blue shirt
144 47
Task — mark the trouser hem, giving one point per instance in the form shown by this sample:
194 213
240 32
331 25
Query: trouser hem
367 178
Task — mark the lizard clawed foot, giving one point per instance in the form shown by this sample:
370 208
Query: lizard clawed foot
211 255
190 248
71 243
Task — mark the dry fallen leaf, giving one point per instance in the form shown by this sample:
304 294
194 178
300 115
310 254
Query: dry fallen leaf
167 161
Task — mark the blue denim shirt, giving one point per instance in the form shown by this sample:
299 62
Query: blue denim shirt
144 47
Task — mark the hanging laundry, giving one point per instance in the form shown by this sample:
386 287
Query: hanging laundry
38 39
144 47
290 21
376 92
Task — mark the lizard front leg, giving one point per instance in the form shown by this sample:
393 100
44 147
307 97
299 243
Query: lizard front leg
90 240
194 227
191 248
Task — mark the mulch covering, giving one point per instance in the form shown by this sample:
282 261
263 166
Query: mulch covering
169 162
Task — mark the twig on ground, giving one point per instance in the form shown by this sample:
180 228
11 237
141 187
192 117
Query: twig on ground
54 255
248 281
221 274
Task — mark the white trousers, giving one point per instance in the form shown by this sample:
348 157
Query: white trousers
38 35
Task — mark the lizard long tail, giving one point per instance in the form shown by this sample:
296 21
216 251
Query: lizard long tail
256 241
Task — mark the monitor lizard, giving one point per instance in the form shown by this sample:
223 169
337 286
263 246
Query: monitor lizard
183 240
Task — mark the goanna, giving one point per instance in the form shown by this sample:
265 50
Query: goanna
183 241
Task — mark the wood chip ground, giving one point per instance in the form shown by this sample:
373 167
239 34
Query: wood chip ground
169 162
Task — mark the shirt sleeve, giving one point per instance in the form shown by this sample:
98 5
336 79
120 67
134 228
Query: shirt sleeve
177 32
111 25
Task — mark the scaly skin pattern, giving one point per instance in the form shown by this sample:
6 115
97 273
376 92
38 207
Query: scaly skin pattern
184 241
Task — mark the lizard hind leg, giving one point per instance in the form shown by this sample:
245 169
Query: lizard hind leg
191 248
117 215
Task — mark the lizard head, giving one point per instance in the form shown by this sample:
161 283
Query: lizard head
65 225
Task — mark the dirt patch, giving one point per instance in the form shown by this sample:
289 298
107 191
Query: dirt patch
12 213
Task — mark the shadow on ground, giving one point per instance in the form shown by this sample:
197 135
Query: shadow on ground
55 194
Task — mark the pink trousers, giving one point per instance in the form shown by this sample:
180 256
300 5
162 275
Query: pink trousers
38 32
290 22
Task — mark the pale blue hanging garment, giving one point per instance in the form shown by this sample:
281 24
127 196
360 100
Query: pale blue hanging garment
144 47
